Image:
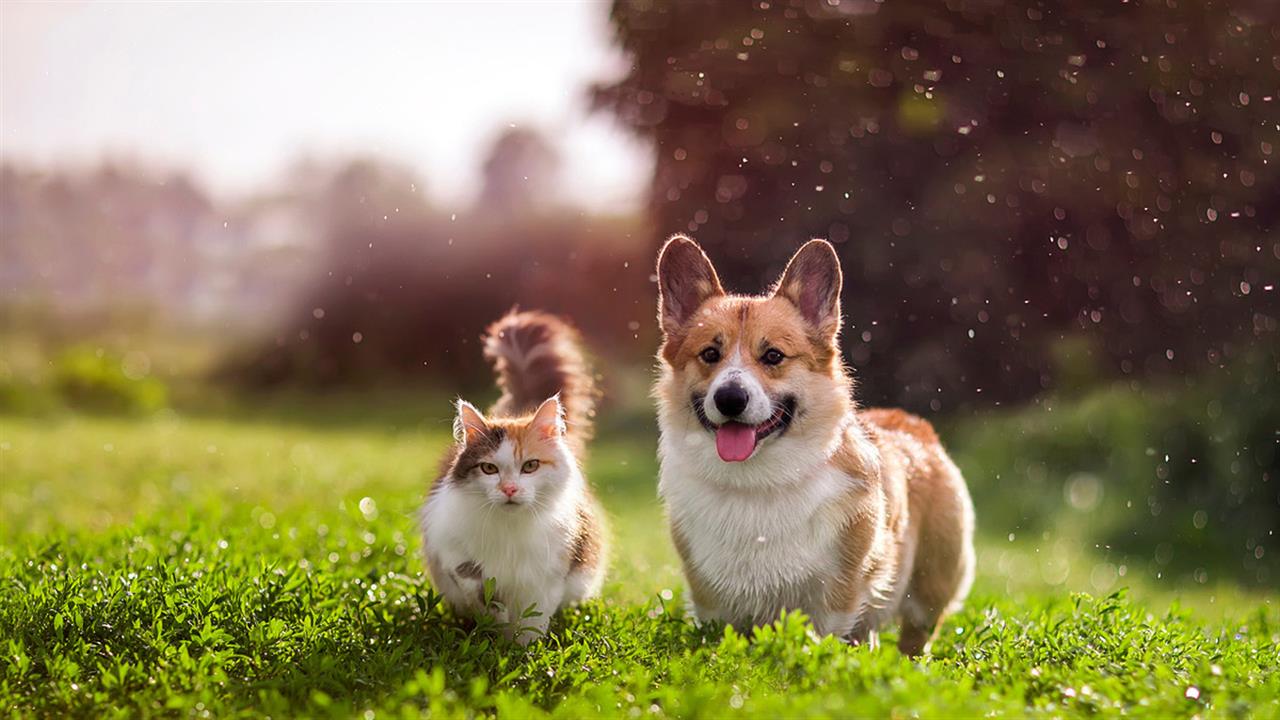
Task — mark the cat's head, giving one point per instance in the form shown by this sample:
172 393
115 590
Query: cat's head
512 462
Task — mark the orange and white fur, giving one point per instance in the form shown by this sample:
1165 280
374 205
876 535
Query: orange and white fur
511 504
780 493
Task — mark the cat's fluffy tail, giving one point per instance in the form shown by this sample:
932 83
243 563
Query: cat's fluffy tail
536 355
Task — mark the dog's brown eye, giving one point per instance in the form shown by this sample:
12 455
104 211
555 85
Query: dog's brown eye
530 466
772 356
488 468
710 355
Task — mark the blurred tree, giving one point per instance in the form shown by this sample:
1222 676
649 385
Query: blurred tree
521 174
111 235
404 290
995 175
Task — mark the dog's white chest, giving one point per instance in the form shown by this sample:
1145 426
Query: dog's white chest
760 552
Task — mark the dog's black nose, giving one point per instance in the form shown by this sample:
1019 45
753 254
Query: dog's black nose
731 400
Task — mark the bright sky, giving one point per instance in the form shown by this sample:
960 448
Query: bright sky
237 91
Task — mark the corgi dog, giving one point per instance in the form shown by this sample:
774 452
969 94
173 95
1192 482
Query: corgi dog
510 504
779 491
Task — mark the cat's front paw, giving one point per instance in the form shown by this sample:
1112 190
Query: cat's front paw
531 626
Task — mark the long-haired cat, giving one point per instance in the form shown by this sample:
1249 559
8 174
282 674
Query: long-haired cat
511 504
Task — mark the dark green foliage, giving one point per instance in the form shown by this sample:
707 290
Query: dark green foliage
1185 479
93 379
20 395
86 378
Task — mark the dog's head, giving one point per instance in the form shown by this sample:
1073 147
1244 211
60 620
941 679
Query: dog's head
751 373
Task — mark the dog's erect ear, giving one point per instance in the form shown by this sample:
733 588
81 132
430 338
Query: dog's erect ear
685 280
548 421
812 283
469 425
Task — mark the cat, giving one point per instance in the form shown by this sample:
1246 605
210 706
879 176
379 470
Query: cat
510 504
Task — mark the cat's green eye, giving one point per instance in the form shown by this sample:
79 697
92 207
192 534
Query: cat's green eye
488 468
530 466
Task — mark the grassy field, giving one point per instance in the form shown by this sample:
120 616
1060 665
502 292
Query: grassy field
265 561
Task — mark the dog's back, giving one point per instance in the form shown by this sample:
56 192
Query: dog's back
941 515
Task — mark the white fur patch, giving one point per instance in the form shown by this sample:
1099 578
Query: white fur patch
524 549
765 534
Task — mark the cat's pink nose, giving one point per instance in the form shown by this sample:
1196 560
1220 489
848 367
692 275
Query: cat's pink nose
508 490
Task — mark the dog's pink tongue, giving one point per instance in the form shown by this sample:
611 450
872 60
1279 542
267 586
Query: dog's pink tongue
735 442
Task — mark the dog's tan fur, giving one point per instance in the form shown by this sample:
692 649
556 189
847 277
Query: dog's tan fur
905 520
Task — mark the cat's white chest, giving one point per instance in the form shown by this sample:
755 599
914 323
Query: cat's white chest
522 551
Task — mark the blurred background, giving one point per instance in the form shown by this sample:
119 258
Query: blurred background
1059 224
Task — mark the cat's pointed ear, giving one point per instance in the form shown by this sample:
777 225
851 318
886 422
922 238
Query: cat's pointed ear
548 420
812 283
470 424
686 279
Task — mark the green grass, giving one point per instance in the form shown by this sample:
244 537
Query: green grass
266 562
